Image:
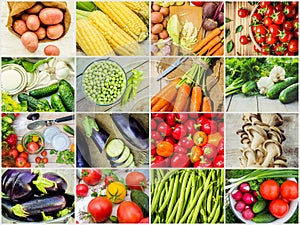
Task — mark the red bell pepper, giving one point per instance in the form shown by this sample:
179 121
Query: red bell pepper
171 140
12 139
209 115
153 124
164 129
191 126
200 164
171 119
194 115
164 149
181 117
209 126
221 147
158 161
219 161
153 150
196 153
186 142
221 128
209 151
180 149
179 131
156 136
180 160
158 115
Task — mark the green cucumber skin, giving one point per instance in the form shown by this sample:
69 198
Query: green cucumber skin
263 218
67 97
32 102
248 86
289 94
142 200
57 103
273 92
44 92
259 206
68 129
66 83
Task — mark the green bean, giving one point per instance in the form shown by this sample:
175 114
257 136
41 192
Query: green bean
162 195
204 217
216 215
174 196
157 218
209 199
222 218
189 219
188 189
213 212
192 195
170 218
169 195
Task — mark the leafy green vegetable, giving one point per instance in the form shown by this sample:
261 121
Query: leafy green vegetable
65 156
239 28
227 20
229 46
227 33
28 66
173 29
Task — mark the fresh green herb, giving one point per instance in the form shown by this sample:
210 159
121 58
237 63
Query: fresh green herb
229 46
10 105
227 20
230 216
227 33
239 28
113 219
63 212
28 66
294 218
94 194
65 156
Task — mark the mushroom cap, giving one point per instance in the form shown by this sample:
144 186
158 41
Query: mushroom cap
272 119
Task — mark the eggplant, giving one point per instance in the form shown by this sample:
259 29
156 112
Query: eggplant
61 185
80 161
7 180
35 206
131 130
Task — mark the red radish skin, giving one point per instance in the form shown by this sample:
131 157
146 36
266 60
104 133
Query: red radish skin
236 195
244 187
240 206
248 214
248 198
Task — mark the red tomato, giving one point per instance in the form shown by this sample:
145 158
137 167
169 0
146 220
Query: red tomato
243 13
129 212
270 10
82 190
288 25
144 220
256 49
100 208
288 53
265 50
108 180
279 49
264 4
279 7
38 159
256 18
278 208
13 153
91 176
269 189
274 29
244 40
44 153
268 21
136 181
279 18
260 39
32 147
285 36
289 190
289 11
27 165
24 155
270 40
198 3
21 162
261 30
45 160
293 46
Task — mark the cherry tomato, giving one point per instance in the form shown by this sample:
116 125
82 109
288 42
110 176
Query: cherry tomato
289 190
268 21
244 40
274 29
27 165
91 176
32 147
260 39
269 190
243 13
279 49
38 159
21 162
100 208
44 153
256 18
270 10
108 180
264 4
289 11
293 46
198 3
278 208
278 18
288 25
285 36
271 40
129 212
279 7
288 53
24 155
261 30
13 153
136 181
82 190
256 49
45 160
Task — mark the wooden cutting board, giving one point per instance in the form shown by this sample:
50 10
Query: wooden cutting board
187 13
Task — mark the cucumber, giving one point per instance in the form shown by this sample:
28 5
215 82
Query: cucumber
273 92
44 92
263 218
114 149
66 83
248 86
68 129
289 94
142 200
45 101
67 97
259 206
32 102
57 103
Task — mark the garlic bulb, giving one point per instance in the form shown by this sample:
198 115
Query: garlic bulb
62 71
264 84
277 73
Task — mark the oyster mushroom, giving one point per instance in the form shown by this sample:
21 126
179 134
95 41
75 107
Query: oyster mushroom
258 135
280 162
272 119
249 156
273 149
260 155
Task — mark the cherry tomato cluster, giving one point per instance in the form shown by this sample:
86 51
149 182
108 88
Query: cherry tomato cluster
42 160
187 140
275 28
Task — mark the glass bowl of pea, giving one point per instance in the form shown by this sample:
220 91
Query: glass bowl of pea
104 82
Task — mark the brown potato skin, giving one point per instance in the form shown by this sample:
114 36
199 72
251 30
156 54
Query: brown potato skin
41 33
51 16
51 50
30 41
20 27
33 22
35 9
55 31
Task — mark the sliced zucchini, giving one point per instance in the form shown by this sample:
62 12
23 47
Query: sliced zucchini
124 156
114 149
132 165
127 162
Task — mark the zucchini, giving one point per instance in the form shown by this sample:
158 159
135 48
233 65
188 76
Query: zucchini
66 83
273 92
127 163
32 102
67 97
263 218
57 103
124 156
142 200
289 94
68 129
248 86
37 205
259 206
114 149
44 92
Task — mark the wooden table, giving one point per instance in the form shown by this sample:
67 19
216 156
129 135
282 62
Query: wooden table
232 14
20 126
128 63
242 103
290 146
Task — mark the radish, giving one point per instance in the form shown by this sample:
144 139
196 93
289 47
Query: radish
248 198
240 206
248 214
244 187
236 194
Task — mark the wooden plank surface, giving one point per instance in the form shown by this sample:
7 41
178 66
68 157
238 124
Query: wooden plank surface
83 104
241 103
290 146
232 14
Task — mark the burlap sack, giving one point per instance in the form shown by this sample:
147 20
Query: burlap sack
16 9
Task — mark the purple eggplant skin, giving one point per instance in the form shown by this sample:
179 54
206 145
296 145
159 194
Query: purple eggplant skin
131 130
61 184
80 161
7 180
99 137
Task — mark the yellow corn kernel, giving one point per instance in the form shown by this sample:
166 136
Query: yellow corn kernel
141 9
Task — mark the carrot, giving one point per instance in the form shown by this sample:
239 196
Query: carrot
210 45
215 32
182 97
167 108
187 105
169 96
196 99
206 105
163 91
215 48
219 51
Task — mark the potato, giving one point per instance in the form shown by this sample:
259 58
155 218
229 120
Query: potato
164 23
41 33
55 31
51 50
33 22
154 38
51 16
24 16
30 41
164 11
155 8
157 28
163 35
35 9
20 27
156 17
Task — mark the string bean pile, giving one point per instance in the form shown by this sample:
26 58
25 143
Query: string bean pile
187 196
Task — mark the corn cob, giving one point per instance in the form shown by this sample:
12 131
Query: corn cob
90 39
141 9
125 18
121 42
